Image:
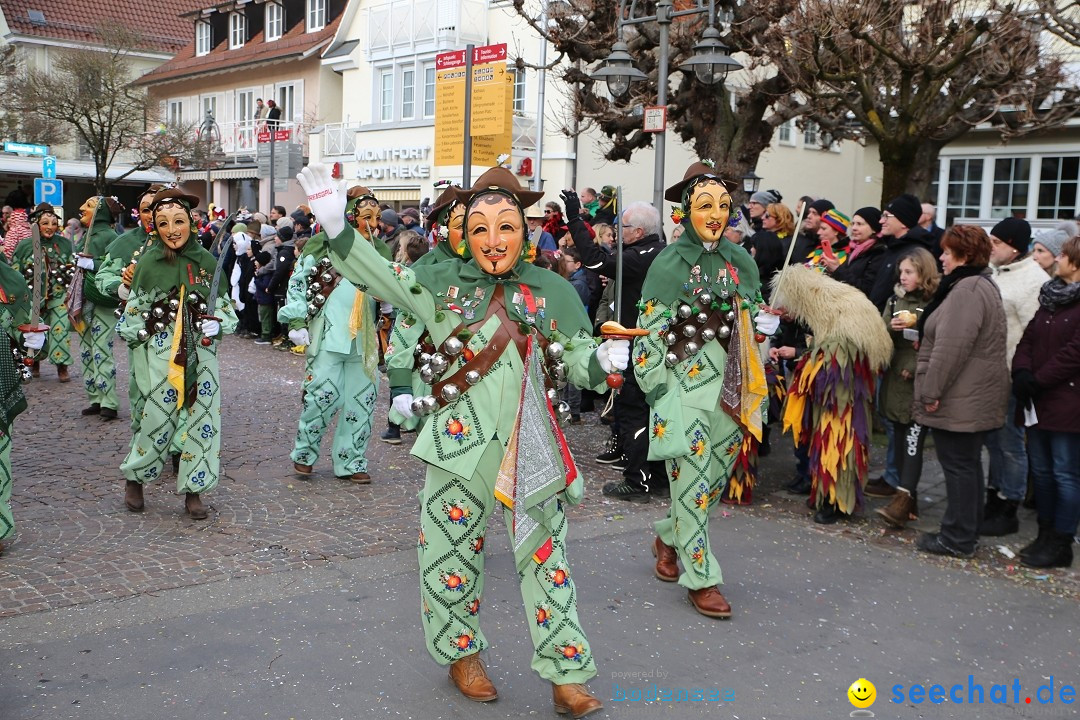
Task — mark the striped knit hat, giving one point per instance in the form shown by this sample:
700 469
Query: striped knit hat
837 221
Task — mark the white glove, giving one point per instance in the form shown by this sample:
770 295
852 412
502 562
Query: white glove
766 323
299 336
86 263
325 196
403 404
613 355
123 292
210 328
34 340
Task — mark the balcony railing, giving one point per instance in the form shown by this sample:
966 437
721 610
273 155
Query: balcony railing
241 138
339 139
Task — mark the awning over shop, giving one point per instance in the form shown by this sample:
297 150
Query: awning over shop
397 194
83 170
223 174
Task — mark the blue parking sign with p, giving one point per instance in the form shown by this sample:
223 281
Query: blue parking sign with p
49 191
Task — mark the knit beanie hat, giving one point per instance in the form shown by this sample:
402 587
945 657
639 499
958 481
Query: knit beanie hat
285 233
264 258
1052 240
837 221
907 209
765 197
822 206
389 217
1015 232
871 215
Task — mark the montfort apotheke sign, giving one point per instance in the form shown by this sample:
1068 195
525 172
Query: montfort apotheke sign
394 163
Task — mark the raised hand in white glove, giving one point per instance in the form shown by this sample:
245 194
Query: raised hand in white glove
766 323
299 336
123 292
325 197
613 355
34 340
86 263
210 328
403 404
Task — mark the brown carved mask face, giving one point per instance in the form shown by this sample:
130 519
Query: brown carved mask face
710 206
496 233
86 212
173 225
367 215
48 224
146 218
455 226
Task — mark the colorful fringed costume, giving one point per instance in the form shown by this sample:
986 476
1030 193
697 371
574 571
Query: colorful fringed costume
830 397
744 471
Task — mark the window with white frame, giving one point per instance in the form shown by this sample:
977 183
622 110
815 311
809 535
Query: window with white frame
786 135
408 94
386 95
962 198
810 134
209 105
176 113
275 21
1058 180
1011 179
237 30
519 89
287 101
245 106
316 15
429 91
202 37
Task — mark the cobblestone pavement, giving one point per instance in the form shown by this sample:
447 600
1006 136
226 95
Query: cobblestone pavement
76 543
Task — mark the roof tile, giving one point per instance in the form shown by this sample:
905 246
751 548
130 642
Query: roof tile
164 29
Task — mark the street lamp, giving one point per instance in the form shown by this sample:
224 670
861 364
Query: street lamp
751 182
212 134
710 63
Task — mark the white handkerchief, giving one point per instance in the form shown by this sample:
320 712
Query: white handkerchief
1030 418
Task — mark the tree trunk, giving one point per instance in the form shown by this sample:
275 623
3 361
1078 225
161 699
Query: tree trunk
907 168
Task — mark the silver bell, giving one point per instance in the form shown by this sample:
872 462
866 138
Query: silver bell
202 308
439 363
450 392
453 346
708 334
325 262
326 278
555 350
705 299
142 335
174 304
427 374
425 358
691 348
685 311
118 313
671 359
159 327
559 370
417 406
319 299
564 411
312 308
144 315
671 339
172 316
689 331
730 315
552 394
702 318
430 404
724 332
472 377
157 312
418 348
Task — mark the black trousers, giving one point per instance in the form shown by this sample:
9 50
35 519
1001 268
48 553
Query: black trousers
960 455
632 413
908 453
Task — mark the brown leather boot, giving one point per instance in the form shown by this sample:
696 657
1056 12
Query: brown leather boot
133 496
667 561
62 373
193 506
471 679
575 700
710 603
35 369
94 409
898 511
360 478
302 469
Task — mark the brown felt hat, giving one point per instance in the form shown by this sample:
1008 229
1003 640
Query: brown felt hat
695 172
358 191
173 194
447 199
42 209
499 178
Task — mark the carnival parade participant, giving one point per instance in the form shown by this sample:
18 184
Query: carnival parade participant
14 319
171 325
113 281
334 320
54 277
92 312
446 221
507 333
702 375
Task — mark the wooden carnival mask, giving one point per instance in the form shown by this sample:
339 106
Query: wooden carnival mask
495 232
710 207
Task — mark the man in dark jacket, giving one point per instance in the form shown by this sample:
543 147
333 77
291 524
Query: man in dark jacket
285 258
808 239
641 228
901 234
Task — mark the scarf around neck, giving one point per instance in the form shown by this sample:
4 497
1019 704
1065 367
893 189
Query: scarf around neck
1056 294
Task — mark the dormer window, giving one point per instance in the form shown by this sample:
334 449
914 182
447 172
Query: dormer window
202 37
275 21
316 15
237 30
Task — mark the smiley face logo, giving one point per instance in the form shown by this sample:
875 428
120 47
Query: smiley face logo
862 693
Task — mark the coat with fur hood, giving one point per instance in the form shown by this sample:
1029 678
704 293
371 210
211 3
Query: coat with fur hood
962 360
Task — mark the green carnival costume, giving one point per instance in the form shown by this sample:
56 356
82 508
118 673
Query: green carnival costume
341 359
492 437
176 373
14 311
98 317
703 378
54 278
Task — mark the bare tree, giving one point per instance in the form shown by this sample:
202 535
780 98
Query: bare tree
732 132
1063 18
88 95
916 75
